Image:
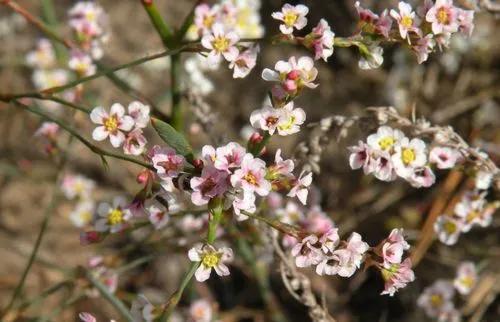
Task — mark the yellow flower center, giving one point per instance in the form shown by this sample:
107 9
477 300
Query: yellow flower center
467 281
450 227
220 44
86 216
386 142
208 21
442 16
111 124
250 178
115 217
408 156
288 125
436 300
90 16
290 18
210 259
407 21
472 215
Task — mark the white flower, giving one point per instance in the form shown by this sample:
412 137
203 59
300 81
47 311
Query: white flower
266 119
210 258
81 63
448 229
406 19
300 188
111 124
408 156
437 298
158 216
483 180
373 58
114 217
293 74
244 200
221 44
466 278
201 311
140 113
351 255
290 119
82 214
43 56
292 17
77 186
245 62
385 139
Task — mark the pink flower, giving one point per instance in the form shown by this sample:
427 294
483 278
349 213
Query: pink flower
351 255
158 216
205 17
423 47
78 186
210 258
167 162
300 188
292 17
81 63
212 183
406 20
448 229
437 298
251 176
140 113
87 317
111 124
229 156
383 167
393 248
444 157
43 56
361 157
322 40
384 24
281 168
317 221
293 75
135 142
443 16
48 130
469 210
221 43
397 276
329 240
306 253
466 21
466 278
201 311
266 119
365 15
243 201
245 62
87 19
422 177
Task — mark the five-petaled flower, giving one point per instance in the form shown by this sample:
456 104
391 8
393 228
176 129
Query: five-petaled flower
112 124
292 17
210 258
221 43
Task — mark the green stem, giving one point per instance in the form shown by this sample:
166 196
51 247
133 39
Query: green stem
215 208
160 25
49 15
87 143
177 118
111 298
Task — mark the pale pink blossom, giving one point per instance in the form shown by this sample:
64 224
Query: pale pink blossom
43 56
212 183
135 142
317 221
294 74
373 58
205 16
221 43
83 213
448 229
210 258
244 62
251 176
466 278
81 63
393 248
365 15
470 208
292 17
158 216
281 168
383 25
229 156
466 21
306 252
87 317
397 276
383 167
423 47
422 177
444 157
77 186
329 240
111 124
406 19
48 130
140 113
244 201
266 119
443 16
322 40
167 162
360 157
437 298
351 255
300 187
201 311
87 19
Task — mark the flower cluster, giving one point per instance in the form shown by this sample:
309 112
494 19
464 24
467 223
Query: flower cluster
122 129
388 153
472 210
221 26
437 299
422 27
80 188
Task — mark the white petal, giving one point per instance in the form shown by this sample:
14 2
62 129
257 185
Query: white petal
117 139
98 114
117 109
100 133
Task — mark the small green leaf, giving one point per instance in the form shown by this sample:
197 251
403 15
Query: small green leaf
173 138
